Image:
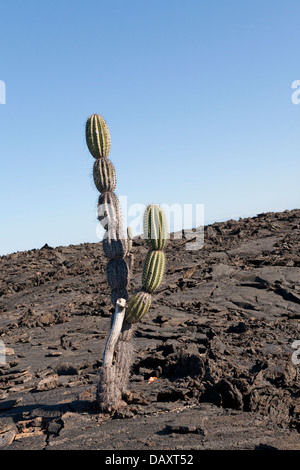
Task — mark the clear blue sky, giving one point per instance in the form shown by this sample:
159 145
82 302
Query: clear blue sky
196 94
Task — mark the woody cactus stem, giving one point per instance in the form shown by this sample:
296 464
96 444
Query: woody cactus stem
114 332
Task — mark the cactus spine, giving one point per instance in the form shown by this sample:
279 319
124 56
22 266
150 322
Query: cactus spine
115 369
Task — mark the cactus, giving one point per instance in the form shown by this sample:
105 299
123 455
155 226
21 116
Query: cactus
113 247
118 294
115 369
153 270
97 136
104 175
155 227
138 306
109 212
117 273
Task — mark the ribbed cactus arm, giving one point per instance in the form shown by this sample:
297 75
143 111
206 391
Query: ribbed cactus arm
153 270
155 232
155 227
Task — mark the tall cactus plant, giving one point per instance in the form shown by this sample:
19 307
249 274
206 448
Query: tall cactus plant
115 369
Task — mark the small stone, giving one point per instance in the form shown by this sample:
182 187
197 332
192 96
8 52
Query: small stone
9 352
48 383
6 438
53 427
54 354
67 369
8 431
184 429
37 422
7 424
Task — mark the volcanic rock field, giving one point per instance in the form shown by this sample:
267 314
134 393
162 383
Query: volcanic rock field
215 365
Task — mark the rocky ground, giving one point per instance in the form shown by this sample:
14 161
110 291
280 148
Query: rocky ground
217 344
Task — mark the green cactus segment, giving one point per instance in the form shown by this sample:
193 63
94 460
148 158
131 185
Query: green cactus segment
97 136
117 274
138 306
104 175
153 270
155 227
